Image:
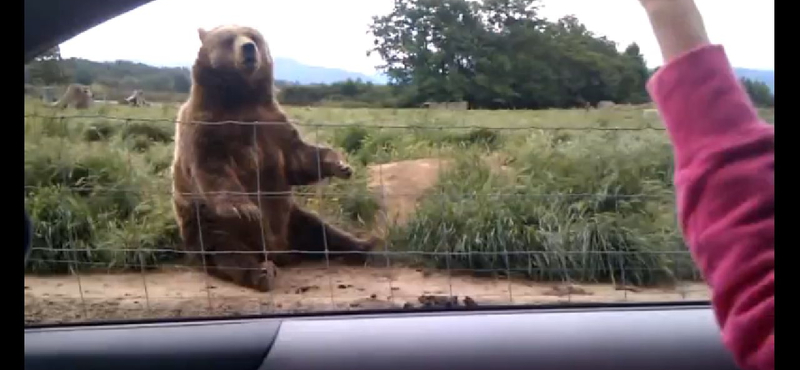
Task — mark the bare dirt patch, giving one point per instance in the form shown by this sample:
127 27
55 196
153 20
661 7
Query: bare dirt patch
311 287
399 186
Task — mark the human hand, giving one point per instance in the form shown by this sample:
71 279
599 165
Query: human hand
677 25
664 4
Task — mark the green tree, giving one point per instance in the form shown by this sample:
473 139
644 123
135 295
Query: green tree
430 44
46 68
84 77
157 82
500 54
349 88
181 83
759 92
634 76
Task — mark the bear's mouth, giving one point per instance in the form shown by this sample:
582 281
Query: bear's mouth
249 62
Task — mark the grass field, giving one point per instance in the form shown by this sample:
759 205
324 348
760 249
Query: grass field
576 196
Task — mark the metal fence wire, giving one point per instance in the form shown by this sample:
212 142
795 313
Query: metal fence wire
568 213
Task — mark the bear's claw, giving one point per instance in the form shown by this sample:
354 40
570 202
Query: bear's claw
343 170
264 279
247 211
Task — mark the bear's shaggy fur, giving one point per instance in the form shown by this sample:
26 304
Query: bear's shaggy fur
220 166
76 96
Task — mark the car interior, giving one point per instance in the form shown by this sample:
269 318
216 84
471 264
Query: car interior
640 336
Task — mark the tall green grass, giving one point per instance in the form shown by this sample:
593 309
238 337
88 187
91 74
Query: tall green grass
577 206
570 204
96 201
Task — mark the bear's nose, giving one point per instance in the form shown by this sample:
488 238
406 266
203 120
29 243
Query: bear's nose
249 50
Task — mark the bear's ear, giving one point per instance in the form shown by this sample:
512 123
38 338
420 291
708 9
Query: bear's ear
202 33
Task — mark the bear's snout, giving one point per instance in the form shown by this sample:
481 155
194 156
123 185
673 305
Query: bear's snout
249 52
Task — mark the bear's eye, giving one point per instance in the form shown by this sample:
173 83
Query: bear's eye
229 40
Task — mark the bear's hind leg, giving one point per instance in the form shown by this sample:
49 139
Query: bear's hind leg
307 232
243 269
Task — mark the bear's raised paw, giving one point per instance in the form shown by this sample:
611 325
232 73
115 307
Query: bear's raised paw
343 170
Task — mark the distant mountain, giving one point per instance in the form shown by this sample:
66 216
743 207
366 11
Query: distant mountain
765 76
286 70
290 70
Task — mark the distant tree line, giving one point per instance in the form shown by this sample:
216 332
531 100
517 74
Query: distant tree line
51 69
493 54
759 92
350 93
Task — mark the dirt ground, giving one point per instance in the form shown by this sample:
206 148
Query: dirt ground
186 293
182 292
398 186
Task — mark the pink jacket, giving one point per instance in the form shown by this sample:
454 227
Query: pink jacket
724 179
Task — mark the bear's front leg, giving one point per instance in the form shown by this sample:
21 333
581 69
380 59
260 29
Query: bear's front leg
220 188
309 164
244 270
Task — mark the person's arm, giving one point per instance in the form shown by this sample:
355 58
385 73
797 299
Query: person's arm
724 179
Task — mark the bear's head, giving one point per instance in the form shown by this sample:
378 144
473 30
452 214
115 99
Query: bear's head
234 67
87 91
79 91
234 48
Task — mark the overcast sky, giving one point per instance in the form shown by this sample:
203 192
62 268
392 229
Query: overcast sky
333 33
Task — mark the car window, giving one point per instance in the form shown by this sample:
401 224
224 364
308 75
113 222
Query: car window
483 153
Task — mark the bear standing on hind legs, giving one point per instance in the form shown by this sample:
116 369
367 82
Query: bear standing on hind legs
221 163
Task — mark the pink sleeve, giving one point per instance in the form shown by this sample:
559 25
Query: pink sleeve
724 179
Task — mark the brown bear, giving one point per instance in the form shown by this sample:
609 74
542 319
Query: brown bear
77 96
233 142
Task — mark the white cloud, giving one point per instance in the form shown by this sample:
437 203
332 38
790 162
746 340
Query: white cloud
745 27
334 33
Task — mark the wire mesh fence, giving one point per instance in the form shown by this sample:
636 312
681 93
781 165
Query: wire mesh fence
454 214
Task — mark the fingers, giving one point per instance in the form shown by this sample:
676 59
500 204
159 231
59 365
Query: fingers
677 25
